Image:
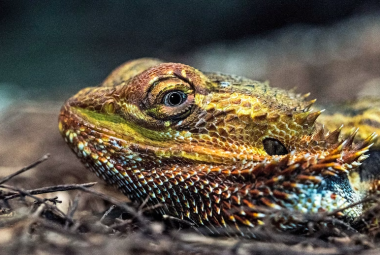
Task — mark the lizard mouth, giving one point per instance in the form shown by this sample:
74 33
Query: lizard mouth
69 120
75 126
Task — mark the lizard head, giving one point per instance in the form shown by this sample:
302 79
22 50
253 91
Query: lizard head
150 116
177 111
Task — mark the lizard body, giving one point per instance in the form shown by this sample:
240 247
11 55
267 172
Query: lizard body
220 151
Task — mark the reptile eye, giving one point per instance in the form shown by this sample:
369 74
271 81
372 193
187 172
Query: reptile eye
170 99
274 147
174 98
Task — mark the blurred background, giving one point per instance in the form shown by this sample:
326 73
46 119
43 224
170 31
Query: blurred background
51 49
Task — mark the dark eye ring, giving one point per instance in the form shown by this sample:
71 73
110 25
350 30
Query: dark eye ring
174 98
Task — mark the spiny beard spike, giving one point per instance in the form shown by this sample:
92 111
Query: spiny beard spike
312 117
333 137
319 135
309 105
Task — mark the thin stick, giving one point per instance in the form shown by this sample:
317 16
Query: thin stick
118 203
39 161
73 207
107 212
51 189
143 203
168 217
112 200
39 200
118 226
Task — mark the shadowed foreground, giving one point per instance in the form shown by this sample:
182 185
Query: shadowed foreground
34 224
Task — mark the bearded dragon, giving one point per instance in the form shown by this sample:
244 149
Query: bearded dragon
221 151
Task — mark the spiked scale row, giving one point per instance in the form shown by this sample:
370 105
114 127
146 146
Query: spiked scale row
244 196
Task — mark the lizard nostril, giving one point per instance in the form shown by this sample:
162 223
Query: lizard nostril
274 147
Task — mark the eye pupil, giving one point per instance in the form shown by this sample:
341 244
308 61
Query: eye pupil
175 98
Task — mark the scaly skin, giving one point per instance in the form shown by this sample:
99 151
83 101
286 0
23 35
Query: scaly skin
226 154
